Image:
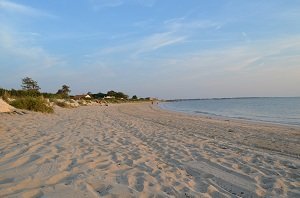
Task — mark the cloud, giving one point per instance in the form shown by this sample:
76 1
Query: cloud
249 57
20 54
157 41
177 24
260 68
147 3
22 9
98 4
246 37
170 32
144 45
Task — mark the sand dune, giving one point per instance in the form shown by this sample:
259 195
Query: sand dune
138 150
4 107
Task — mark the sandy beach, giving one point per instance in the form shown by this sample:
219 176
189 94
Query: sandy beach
139 150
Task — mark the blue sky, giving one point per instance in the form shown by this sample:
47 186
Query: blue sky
161 48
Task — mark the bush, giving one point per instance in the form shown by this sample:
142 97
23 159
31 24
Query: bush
52 96
82 103
62 104
33 104
5 97
20 93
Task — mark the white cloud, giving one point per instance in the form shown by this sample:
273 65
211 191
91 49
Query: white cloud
141 46
22 9
22 54
246 37
181 24
261 68
157 41
147 3
173 31
98 4
276 53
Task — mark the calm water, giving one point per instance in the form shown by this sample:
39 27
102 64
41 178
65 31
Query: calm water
276 110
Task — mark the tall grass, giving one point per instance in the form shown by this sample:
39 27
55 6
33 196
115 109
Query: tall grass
62 104
38 104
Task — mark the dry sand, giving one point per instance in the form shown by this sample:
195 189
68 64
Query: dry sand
138 150
4 107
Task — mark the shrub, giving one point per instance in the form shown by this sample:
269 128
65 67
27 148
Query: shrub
6 96
82 103
33 104
62 104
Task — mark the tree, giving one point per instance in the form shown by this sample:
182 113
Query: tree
111 93
134 97
117 94
29 85
65 90
121 95
98 95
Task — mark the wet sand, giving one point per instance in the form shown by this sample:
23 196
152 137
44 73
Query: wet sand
138 150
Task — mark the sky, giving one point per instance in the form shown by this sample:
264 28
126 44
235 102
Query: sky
161 48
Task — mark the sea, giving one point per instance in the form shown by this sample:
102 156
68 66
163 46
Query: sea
280 110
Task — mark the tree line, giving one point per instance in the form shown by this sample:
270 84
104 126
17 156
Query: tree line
31 88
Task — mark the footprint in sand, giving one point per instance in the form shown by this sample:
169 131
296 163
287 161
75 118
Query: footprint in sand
139 183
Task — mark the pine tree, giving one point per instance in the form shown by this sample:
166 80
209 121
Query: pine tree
30 85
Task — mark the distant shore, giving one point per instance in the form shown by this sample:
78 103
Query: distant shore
140 150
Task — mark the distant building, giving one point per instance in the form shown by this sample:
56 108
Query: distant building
109 97
84 96
150 98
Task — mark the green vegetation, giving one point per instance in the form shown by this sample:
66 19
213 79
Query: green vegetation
134 97
62 104
98 95
5 96
19 93
117 94
64 91
30 98
82 103
29 84
38 104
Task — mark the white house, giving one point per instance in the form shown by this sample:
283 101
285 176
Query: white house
84 96
109 97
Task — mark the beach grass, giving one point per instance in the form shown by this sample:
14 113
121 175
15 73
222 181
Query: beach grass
62 104
38 104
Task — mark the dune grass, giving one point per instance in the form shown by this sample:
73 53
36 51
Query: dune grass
38 104
62 104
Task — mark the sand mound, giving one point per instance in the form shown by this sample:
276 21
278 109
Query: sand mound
4 107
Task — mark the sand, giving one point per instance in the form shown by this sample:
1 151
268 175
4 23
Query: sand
138 150
4 107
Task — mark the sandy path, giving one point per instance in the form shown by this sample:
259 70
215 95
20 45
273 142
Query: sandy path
137 150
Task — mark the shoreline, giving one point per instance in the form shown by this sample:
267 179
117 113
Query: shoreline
235 121
241 119
141 150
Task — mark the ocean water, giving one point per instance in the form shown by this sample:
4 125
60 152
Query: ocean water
275 110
